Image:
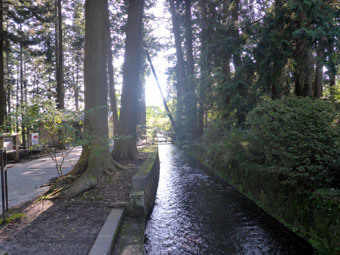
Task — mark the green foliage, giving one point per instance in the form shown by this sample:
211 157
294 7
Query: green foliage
63 129
12 216
298 138
157 121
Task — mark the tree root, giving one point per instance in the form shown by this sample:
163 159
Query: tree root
97 164
119 166
84 183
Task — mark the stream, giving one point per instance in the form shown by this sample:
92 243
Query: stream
197 213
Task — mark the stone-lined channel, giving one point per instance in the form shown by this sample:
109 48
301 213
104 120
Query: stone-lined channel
197 213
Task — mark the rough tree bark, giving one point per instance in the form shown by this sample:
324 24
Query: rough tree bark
22 96
304 60
203 66
127 148
190 99
332 71
235 34
112 91
226 23
180 74
76 83
318 88
276 82
2 76
95 158
59 56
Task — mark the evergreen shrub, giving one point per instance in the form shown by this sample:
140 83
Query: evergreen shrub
298 138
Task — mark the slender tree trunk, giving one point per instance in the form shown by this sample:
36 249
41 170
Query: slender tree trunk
304 59
9 76
76 85
308 86
112 91
226 24
188 44
190 97
318 88
276 82
332 72
22 96
59 56
203 66
127 148
173 123
181 86
2 75
17 100
235 34
95 158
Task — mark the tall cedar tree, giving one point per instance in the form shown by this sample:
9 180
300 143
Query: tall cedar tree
127 148
190 100
2 78
180 74
95 158
112 91
59 56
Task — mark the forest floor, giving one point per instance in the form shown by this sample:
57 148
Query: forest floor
66 226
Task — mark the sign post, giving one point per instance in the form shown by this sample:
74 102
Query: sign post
4 186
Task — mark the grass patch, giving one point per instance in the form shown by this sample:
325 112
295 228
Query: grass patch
12 216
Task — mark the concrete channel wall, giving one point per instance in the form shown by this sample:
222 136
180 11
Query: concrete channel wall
144 186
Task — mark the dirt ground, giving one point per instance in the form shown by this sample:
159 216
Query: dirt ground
66 226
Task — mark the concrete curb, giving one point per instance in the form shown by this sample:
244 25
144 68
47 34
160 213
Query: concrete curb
144 186
141 200
108 233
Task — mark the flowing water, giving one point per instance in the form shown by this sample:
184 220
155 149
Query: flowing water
197 213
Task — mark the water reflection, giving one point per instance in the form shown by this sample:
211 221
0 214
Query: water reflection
196 213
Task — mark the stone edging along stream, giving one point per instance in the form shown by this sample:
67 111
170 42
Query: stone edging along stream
141 201
144 186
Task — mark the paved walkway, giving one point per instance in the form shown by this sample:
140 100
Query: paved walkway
27 181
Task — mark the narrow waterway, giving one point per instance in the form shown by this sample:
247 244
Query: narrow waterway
196 213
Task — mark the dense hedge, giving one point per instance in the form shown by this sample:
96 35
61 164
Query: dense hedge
299 138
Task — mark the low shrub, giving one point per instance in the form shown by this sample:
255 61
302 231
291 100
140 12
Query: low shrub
298 138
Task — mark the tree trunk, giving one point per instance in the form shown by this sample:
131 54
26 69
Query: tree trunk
235 34
228 53
276 82
308 86
127 148
190 97
112 91
11 82
181 87
173 123
318 71
22 96
304 61
59 57
76 85
203 66
141 112
2 75
17 102
332 72
95 158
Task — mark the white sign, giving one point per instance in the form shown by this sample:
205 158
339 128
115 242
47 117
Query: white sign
35 138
